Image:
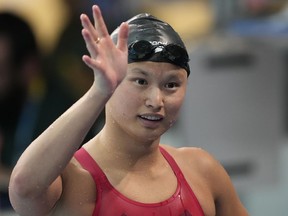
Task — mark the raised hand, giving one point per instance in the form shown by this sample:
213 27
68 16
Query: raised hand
107 60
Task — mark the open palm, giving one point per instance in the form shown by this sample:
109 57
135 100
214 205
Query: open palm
107 60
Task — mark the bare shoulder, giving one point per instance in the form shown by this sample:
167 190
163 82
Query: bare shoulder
192 152
79 191
195 157
196 161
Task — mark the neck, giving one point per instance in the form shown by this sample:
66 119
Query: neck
125 143
124 152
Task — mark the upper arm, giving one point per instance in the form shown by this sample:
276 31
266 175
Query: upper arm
226 199
38 203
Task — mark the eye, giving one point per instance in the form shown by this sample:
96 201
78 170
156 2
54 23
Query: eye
171 85
141 81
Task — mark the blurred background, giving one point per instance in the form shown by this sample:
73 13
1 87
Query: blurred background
236 105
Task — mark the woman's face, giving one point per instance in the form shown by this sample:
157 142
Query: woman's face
147 102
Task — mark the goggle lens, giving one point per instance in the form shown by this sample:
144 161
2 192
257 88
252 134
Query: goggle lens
141 50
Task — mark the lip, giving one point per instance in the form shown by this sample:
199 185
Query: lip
151 120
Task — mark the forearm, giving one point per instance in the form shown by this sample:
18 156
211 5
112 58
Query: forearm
47 156
36 178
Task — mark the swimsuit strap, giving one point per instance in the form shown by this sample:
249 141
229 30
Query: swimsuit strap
176 169
89 164
105 189
181 178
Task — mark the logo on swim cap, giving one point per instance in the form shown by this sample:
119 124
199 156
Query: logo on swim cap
158 43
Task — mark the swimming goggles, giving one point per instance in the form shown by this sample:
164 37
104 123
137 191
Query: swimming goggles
143 50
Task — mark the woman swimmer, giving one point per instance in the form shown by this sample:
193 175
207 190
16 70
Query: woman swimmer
124 170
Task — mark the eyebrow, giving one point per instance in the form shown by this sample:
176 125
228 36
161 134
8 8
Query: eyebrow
139 71
146 74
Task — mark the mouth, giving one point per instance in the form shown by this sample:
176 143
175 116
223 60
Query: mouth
153 118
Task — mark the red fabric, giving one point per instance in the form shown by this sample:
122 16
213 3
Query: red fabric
111 202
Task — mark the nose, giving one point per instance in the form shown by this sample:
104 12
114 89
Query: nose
154 98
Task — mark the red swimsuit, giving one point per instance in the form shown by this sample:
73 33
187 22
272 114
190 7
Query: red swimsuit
111 202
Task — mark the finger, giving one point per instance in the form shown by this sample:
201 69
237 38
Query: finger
86 23
99 22
91 63
88 61
90 43
123 36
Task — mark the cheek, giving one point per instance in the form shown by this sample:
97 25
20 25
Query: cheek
173 106
124 103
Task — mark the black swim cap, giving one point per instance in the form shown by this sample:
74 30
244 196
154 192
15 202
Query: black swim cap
151 39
